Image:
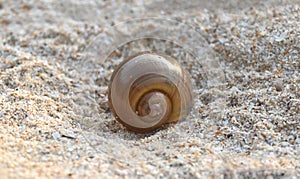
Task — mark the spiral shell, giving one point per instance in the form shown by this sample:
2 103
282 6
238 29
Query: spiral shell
149 90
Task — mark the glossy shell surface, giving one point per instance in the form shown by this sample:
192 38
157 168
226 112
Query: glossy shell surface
149 90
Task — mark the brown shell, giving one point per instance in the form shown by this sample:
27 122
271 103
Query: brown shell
148 90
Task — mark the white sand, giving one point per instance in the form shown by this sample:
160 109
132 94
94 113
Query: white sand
54 116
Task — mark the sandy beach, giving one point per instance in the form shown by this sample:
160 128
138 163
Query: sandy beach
55 120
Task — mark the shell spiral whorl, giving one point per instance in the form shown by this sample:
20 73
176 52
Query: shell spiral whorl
148 90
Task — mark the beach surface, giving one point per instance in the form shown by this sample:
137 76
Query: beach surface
55 119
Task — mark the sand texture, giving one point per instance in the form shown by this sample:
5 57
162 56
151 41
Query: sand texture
54 115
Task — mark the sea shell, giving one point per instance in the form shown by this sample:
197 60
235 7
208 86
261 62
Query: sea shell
149 90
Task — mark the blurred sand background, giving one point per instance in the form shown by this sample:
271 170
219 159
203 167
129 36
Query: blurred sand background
54 116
